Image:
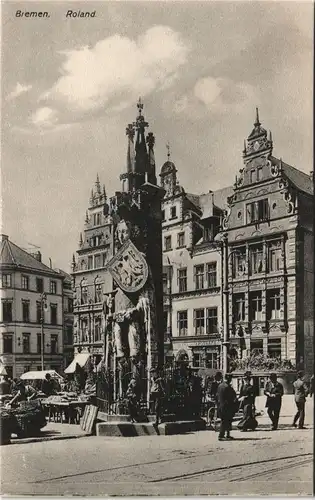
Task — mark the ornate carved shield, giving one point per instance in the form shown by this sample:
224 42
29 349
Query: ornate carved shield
129 268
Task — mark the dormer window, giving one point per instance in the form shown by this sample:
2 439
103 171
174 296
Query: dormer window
257 211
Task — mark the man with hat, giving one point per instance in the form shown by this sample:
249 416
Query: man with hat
247 399
274 392
300 393
227 401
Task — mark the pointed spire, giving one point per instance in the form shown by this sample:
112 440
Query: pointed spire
257 122
168 147
104 192
97 184
73 264
280 165
244 150
81 240
86 217
270 136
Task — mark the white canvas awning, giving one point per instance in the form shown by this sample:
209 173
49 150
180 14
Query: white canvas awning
40 375
79 359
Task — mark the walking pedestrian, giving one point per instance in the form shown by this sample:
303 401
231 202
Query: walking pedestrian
227 401
300 394
247 399
312 385
274 393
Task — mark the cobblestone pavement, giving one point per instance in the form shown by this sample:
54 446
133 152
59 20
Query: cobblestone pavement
257 463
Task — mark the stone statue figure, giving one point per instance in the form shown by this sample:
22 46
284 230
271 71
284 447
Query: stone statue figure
130 271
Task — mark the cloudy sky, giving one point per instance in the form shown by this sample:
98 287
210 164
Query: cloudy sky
70 87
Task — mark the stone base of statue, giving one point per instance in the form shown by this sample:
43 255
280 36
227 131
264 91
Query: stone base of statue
129 429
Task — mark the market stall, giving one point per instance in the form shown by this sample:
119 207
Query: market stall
66 407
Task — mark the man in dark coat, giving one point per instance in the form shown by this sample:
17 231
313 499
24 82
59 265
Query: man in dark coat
300 393
48 386
274 393
227 401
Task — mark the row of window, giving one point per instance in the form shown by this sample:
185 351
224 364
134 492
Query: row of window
98 293
209 360
7 316
6 282
257 211
91 334
205 276
205 322
180 241
259 260
173 213
256 311
96 261
7 344
273 347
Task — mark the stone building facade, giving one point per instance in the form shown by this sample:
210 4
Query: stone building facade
90 278
23 279
261 231
192 273
269 237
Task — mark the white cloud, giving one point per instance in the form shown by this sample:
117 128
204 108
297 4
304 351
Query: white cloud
18 90
208 90
44 117
118 69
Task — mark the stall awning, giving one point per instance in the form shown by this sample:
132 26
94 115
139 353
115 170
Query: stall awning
81 359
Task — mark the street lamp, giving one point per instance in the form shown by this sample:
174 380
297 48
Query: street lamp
43 306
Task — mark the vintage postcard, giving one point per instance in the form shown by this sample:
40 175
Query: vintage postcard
157 248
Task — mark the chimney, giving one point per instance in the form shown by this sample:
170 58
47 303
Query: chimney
37 255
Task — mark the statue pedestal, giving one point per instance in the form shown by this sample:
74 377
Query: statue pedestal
128 429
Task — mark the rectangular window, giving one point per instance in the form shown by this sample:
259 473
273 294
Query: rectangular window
212 360
259 173
163 215
84 295
39 285
173 212
53 314
212 320
182 323
69 334
164 281
90 262
53 287
256 346
199 277
104 258
196 360
25 311
6 281
255 306
39 343
212 275
97 261
97 330
25 282
6 311
98 293
239 307
97 219
182 280
239 261
95 241
54 344
168 243
199 321
38 312
7 344
256 259
274 348
273 304
181 240
274 257
26 343
208 234
70 305
252 176
257 211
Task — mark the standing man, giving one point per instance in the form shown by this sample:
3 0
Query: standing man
300 393
157 393
312 386
274 393
227 400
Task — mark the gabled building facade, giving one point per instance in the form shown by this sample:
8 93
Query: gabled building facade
268 236
192 274
90 278
24 278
